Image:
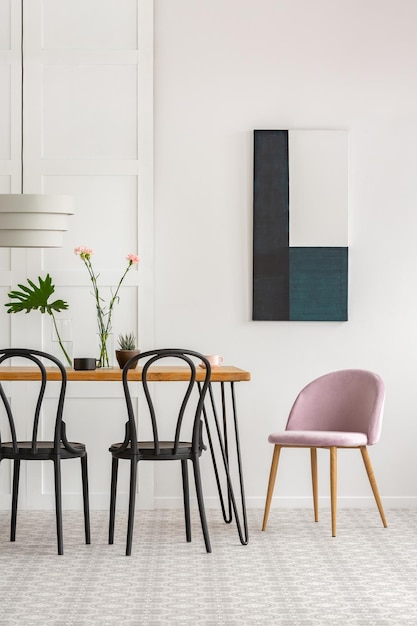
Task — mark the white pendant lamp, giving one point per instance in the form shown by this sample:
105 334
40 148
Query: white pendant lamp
32 220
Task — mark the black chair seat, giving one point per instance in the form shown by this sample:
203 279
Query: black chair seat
44 450
146 449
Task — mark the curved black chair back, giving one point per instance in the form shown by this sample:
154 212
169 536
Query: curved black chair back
34 357
156 357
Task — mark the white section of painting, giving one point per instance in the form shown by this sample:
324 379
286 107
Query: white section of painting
318 187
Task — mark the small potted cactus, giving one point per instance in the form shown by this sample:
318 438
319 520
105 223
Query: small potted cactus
127 349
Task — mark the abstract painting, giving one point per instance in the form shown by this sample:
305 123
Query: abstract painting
300 225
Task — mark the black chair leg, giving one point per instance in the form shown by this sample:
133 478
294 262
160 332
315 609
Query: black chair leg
132 499
58 504
186 495
16 475
84 477
113 491
200 501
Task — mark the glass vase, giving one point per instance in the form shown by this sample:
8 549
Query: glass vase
62 340
106 350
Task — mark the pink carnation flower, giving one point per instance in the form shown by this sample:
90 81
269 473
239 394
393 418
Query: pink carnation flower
83 251
133 258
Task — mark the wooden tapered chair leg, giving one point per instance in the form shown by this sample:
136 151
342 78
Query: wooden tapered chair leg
371 476
313 456
271 484
333 487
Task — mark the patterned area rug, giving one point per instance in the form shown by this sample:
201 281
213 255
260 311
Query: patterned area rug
294 573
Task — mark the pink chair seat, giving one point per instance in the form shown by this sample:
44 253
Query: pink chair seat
318 438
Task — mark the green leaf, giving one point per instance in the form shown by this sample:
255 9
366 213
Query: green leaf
35 297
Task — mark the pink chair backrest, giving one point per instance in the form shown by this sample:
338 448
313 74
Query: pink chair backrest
348 400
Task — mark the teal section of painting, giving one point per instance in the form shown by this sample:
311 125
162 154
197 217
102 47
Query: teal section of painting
318 284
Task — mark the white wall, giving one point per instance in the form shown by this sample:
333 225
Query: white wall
222 69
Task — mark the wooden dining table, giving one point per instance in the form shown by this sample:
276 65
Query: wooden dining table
224 436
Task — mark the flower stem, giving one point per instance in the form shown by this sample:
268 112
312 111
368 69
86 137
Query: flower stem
60 341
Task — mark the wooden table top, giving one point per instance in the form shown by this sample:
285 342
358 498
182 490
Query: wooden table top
222 373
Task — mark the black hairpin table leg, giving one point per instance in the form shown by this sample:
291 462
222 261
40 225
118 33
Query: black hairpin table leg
223 439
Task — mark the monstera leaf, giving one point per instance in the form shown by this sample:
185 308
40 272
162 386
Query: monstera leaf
35 297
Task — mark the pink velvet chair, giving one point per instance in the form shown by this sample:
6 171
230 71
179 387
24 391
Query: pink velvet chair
338 410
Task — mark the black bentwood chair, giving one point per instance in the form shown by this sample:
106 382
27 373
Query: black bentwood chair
37 450
184 442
